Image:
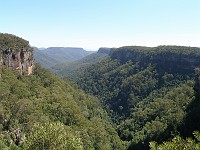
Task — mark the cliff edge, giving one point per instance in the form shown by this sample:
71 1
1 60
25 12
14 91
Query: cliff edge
16 53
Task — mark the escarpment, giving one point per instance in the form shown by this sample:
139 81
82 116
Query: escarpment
172 59
16 53
104 50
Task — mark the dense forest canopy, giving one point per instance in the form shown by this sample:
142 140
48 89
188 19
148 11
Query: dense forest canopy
183 50
42 111
137 98
148 92
12 41
69 68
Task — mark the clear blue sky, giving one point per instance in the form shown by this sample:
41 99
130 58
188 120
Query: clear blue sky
102 23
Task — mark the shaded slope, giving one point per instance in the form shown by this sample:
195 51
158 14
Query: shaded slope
68 69
44 59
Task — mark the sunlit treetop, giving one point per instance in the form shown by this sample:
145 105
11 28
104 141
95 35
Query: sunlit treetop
12 41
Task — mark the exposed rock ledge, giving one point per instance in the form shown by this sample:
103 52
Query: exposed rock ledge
20 60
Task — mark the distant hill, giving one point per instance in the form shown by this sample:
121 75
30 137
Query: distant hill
69 68
44 59
56 55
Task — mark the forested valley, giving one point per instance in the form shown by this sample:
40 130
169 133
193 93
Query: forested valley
120 98
151 94
42 111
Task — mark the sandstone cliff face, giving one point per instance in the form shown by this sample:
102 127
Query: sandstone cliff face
18 59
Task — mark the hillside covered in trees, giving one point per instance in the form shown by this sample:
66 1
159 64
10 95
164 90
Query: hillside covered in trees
137 98
67 69
42 111
150 93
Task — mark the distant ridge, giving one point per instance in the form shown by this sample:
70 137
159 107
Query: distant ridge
55 55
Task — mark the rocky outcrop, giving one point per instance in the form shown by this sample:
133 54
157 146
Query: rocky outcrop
18 59
16 53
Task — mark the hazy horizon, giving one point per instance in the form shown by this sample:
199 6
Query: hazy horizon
42 48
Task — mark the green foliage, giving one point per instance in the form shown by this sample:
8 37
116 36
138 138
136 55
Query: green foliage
53 136
178 143
170 59
159 119
148 92
12 41
69 68
3 146
42 106
157 51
